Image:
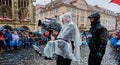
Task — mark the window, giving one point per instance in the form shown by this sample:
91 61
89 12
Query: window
81 5
10 3
3 2
19 4
88 20
51 12
103 16
41 15
82 19
68 9
82 12
0 2
74 10
46 14
24 3
88 13
77 11
6 2
37 16
58 18
4 12
57 10
27 3
74 18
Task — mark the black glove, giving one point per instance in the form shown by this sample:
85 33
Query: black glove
99 54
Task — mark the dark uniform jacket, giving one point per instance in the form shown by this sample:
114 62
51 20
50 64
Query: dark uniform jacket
99 38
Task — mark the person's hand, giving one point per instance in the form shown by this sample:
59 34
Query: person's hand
1 38
52 38
99 54
55 33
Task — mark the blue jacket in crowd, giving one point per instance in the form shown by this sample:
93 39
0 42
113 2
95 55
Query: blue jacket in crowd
8 35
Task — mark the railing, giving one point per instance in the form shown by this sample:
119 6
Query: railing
6 21
24 20
12 21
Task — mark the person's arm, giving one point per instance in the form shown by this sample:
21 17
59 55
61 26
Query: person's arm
103 39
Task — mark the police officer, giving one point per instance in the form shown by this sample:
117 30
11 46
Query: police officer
98 41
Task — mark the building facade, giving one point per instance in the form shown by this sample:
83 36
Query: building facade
108 19
118 21
79 9
17 14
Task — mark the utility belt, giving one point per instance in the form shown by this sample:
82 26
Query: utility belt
72 42
62 39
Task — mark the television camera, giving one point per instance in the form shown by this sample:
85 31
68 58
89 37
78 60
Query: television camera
50 25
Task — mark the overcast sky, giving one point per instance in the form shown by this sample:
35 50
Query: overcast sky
101 3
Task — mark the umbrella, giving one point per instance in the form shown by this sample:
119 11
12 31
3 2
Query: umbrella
22 29
35 32
15 29
19 29
3 28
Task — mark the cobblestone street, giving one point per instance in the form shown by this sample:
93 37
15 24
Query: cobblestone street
26 26
108 59
29 57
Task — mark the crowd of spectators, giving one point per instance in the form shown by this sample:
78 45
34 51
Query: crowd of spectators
13 40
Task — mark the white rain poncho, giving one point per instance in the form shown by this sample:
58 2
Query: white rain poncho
62 46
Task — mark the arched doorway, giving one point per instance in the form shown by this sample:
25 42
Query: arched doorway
5 11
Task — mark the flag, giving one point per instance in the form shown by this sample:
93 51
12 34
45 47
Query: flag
116 1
